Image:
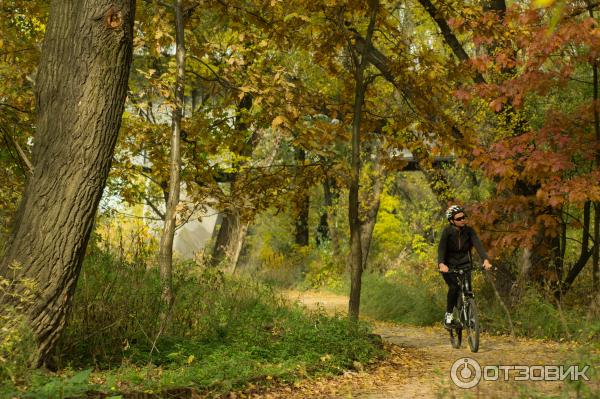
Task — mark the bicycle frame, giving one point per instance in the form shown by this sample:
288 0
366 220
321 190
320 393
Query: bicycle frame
466 291
467 310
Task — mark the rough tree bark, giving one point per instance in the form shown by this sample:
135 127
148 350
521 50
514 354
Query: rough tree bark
165 253
80 94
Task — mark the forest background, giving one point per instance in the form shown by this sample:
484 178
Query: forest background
329 136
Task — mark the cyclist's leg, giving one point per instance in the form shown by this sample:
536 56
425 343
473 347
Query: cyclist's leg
453 290
468 285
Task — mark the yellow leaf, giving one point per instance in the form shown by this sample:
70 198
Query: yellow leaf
277 121
326 357
190 359
542 3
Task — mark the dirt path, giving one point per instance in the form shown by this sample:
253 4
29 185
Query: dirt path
421 360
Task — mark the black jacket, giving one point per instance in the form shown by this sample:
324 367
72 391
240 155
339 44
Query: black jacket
455 246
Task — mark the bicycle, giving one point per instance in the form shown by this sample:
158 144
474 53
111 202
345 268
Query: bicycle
468 316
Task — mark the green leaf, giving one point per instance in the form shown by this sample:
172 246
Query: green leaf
81 377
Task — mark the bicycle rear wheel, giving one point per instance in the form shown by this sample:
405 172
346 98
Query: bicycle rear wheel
456 330
456 337
472 324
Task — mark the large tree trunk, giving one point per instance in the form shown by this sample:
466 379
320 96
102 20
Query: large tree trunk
165 253
241 232
80 93
230 239
223 238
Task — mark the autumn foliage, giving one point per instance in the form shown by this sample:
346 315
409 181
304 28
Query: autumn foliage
537 142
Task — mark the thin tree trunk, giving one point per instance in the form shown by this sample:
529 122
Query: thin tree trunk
302 205
242 227
20 152
595 267
353 203
331 224
165 254
227 231
80 95
585 251
302 233
563 240
377 177
356 268
322 234
369 225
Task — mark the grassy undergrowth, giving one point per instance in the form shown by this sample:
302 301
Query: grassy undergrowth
420 299
224 333
399 297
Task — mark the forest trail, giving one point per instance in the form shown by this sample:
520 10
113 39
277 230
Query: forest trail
421 360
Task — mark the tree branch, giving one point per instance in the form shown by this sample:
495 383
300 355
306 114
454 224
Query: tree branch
449 36
22 155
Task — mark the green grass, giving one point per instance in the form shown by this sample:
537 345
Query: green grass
420 299
399 297
224 333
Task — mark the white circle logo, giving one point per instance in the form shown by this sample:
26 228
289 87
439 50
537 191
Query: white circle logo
465 373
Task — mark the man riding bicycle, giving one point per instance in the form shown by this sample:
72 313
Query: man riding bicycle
454 252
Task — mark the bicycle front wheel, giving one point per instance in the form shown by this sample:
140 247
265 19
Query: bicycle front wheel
472 324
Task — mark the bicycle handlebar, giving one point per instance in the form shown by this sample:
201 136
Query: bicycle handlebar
462 270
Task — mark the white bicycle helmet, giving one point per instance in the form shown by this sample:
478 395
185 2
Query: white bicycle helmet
453 210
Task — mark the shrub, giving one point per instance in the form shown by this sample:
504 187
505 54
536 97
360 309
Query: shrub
224 332
17 346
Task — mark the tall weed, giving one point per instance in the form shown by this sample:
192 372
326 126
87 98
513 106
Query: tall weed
418 296
17 346
223 332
